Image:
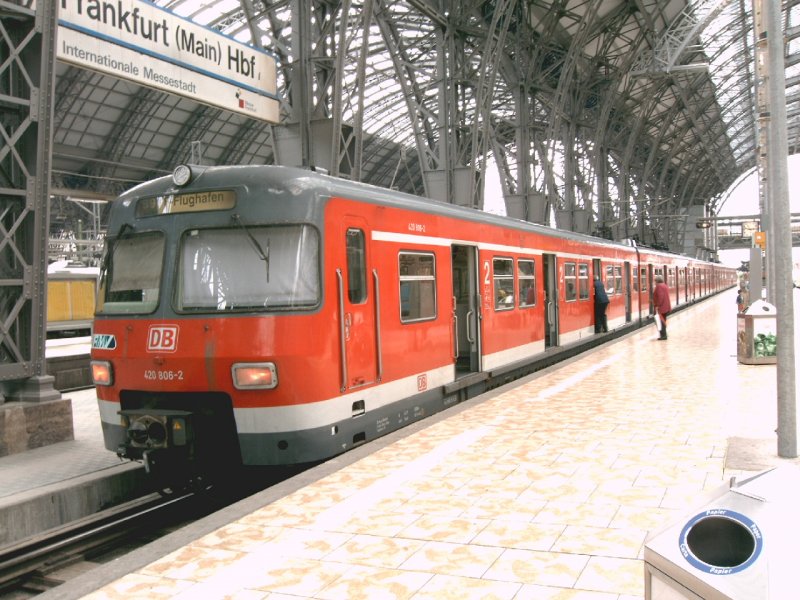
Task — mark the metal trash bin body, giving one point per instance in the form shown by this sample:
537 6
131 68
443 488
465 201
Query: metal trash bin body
756 331
740 545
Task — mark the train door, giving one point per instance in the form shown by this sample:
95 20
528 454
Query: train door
643 290
466 310
357 309
685 281
627 290
550 300
597 273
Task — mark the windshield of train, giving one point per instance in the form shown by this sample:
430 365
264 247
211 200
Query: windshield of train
131 274
248 268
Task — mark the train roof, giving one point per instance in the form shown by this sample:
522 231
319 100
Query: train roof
306 182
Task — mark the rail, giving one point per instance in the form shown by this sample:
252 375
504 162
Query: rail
46 552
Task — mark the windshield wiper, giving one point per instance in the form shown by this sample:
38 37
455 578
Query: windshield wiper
259 250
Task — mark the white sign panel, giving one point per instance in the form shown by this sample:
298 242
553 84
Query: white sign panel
135 40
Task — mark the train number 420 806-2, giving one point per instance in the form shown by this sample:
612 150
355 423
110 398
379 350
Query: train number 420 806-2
159 375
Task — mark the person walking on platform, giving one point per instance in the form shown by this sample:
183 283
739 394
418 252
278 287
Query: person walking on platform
662 305
600 306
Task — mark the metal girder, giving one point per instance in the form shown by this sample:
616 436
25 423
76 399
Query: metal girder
678 39
192 131
348 142
141 107
27 77
677 44
246 144
420 94
455 57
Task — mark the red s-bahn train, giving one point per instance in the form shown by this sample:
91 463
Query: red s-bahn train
262 315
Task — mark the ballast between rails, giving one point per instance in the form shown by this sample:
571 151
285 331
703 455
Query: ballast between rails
291 316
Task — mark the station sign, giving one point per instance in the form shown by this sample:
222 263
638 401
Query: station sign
135 40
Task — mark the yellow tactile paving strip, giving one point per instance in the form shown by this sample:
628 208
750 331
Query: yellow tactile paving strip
545 491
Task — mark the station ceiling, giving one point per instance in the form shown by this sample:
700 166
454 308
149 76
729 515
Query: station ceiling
620 110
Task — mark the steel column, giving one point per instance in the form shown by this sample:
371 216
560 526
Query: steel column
27 78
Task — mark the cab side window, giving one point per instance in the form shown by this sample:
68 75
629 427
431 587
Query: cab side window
356 267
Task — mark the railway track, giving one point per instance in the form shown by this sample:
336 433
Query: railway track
46 561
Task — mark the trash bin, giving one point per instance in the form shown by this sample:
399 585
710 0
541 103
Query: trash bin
756 330
740 545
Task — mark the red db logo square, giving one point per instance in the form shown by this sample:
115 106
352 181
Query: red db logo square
162 338
422 382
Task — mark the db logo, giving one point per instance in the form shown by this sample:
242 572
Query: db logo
422 382
162 338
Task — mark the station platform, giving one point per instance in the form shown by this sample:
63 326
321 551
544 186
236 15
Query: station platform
543 489
27 471
46 487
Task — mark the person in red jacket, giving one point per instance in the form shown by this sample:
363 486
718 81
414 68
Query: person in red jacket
662 304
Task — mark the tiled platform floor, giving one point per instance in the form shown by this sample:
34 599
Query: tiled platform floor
545 490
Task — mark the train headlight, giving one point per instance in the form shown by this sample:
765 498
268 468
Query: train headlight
102 372
254 376
182 175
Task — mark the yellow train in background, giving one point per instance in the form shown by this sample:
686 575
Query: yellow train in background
71 292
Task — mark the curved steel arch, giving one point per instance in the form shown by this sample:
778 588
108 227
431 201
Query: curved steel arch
422 94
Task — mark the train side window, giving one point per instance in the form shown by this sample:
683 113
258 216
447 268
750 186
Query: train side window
570 286
643 280
609 283
417 287
503 269
618 279
356 267
583 281
526 274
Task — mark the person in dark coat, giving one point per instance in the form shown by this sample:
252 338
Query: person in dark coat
740 301
600 306
662 304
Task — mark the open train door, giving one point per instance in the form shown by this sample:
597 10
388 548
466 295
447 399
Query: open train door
358 304
550 300
466 310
